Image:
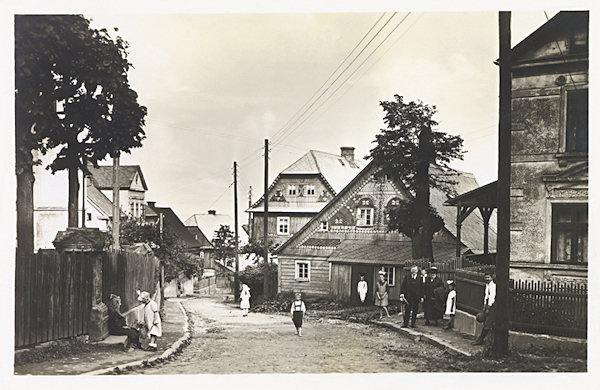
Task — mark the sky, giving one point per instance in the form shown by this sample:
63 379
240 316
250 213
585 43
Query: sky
217 85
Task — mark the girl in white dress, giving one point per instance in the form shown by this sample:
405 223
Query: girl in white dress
451 304
362 288
245 299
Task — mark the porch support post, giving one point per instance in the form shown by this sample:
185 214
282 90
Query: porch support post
486 213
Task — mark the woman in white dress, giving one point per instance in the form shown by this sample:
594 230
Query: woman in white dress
245 297
151 319
362 289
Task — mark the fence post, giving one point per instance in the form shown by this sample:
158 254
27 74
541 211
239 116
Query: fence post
98 325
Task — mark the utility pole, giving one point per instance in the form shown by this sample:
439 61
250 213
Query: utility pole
116 220
83 200
250 214
236 282
266 287
504 144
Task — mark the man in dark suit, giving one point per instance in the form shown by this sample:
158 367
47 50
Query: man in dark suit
411 293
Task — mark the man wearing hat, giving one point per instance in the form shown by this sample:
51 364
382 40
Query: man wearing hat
411 293
432 305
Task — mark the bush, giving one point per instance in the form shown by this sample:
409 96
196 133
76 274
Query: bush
253 277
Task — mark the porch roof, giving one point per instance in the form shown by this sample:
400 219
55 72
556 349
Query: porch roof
484 196
384 252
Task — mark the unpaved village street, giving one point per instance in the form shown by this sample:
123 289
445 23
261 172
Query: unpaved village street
224 342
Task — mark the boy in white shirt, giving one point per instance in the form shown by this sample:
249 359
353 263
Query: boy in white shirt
451 304
297 311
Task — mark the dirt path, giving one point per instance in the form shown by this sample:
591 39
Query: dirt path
224 342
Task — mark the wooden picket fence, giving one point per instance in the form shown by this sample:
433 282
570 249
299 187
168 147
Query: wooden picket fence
53 296
558 309
125 272
551 308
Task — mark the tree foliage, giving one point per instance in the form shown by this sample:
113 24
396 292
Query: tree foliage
167 246
224 243
405 150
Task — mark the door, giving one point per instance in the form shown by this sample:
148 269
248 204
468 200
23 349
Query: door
367 272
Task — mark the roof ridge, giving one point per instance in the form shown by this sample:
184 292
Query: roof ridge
312 153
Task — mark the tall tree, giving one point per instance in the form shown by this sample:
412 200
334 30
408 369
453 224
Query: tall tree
224 243
71 91
405 150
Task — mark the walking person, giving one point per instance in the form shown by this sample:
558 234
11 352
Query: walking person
151 319
432 305
451 304
411 293
362 288
381 295
297 311
245 299
489 310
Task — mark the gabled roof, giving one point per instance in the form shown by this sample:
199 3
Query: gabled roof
199 236
472 228
550 32
103 176
99 200
209 223
172 221
484 196
385 252
335 171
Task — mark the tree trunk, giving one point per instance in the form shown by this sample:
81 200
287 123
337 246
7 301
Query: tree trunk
25 180
421 240
73 206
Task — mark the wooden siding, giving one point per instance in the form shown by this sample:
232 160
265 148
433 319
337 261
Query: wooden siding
296 222
341 275
319 276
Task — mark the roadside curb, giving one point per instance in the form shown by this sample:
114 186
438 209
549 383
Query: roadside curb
418 336
167 355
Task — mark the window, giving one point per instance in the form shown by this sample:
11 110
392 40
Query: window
365 217
577 120
88 216
390 275
283 226
303 271
324 226
132 209
569 233
291 190
310 189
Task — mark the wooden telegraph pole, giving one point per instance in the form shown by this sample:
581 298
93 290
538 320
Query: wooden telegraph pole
116 220
236 282
503 245
266 286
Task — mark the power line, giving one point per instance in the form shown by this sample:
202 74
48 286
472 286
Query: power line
330 76
220 196
281 132
351 74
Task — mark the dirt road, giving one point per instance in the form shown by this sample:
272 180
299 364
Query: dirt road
224 342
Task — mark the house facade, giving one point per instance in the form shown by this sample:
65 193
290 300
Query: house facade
549 152
349 238
300 191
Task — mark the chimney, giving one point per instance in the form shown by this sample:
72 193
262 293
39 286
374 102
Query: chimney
151 204
348 153
212 212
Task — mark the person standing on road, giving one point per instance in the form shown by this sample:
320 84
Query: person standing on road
151 319
432 306
381 295
489 310
297 311
411 293
245 299
451 304
362 288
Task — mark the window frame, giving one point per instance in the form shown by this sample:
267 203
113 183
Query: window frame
564 120
310 190
280 224
362 222
297 264
324 226
387 269
563 227
292 190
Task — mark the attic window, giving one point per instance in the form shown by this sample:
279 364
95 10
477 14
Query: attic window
578 43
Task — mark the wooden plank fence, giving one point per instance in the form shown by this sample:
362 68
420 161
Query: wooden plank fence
53 294
125 272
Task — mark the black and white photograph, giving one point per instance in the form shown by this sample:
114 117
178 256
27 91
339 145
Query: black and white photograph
206 191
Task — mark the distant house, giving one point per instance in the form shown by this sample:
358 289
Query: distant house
167 219
132 186
95 199
349 238
300 191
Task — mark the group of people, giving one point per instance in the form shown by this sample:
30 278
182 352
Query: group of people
150 326
426 289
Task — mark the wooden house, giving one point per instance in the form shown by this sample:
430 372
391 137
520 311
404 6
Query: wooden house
300 191
349 238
